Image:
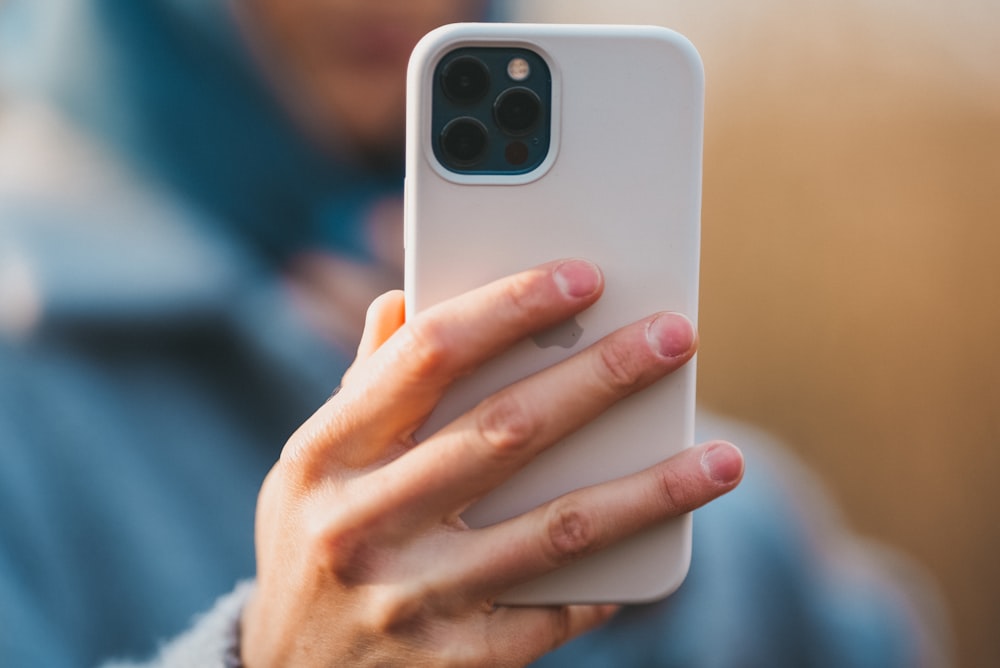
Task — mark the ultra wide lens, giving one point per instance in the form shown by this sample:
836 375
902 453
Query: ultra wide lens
465 80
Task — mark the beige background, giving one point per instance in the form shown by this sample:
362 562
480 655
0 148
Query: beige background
851 276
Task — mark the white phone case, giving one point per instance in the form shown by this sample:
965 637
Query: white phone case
621 186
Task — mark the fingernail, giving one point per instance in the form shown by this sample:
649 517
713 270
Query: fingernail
671 335
722 462
577 278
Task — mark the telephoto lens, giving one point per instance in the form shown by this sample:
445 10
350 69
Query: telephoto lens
465 80
517 110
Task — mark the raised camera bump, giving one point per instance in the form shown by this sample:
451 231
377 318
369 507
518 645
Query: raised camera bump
488 118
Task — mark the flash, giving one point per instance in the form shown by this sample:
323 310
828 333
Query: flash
518 69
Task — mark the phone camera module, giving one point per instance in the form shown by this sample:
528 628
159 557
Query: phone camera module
464 141
465 80
517 110
490 110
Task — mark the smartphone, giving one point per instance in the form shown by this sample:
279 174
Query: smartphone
529 143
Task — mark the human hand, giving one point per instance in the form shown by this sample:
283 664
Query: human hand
362 556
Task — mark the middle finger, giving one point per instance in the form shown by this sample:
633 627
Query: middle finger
393 391
483 448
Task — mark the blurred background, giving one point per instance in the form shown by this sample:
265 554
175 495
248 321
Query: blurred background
851 281
850 284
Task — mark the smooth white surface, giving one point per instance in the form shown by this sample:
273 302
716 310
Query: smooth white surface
621 187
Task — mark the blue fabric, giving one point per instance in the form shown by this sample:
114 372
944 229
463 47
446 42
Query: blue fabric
139 417
758 593
133 440
168 85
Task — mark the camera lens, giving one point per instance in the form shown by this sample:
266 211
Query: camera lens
465 80
517 110
464 140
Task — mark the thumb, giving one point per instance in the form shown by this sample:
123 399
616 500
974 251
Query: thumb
385 315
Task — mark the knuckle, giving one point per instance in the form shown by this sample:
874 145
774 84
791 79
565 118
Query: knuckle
341 550
397 610
299 465
520 293
504 425
570 533
672 490
390 611
426 346
618 368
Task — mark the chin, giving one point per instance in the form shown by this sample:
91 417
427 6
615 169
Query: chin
372 121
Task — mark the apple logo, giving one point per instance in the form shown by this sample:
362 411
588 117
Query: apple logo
565 335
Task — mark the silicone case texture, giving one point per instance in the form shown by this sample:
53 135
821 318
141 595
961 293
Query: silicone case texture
621 186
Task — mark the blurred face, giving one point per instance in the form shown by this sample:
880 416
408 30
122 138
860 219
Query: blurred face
341 64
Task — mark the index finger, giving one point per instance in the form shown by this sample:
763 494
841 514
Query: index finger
481 449
393 391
